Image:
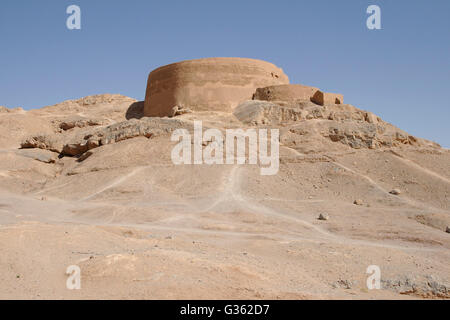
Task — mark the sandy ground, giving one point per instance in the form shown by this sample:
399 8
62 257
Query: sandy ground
141 228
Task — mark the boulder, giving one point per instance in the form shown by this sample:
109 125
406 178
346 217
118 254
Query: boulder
395 192
323 216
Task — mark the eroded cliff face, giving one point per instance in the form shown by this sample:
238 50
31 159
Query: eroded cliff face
213 84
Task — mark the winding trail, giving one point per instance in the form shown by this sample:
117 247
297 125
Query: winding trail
233 194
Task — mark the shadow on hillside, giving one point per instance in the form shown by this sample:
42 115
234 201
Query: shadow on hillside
135 110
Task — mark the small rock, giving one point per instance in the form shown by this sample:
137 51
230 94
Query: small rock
447 229
323 216
344 284
358 202
179 110
395 192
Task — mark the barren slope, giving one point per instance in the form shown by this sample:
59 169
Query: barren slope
96 187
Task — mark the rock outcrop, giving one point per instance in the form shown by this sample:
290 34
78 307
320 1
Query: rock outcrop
211 84
79 122
51 142
77 143
304 121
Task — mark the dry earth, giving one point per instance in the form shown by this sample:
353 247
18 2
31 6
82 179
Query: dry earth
91 183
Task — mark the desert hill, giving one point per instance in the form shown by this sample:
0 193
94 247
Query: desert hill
141 227
90 182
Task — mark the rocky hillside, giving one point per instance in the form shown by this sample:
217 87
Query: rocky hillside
91 182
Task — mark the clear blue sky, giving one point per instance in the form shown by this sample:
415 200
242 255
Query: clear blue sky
401 73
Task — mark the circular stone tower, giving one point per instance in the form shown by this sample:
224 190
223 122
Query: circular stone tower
217 84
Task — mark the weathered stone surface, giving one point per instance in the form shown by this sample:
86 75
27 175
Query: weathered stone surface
53 143
265 112
344 284
288 92
80 122
78 143
179 110
211 84
146 127
427 287
323 98
39 155
306 121
256 112
371 118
